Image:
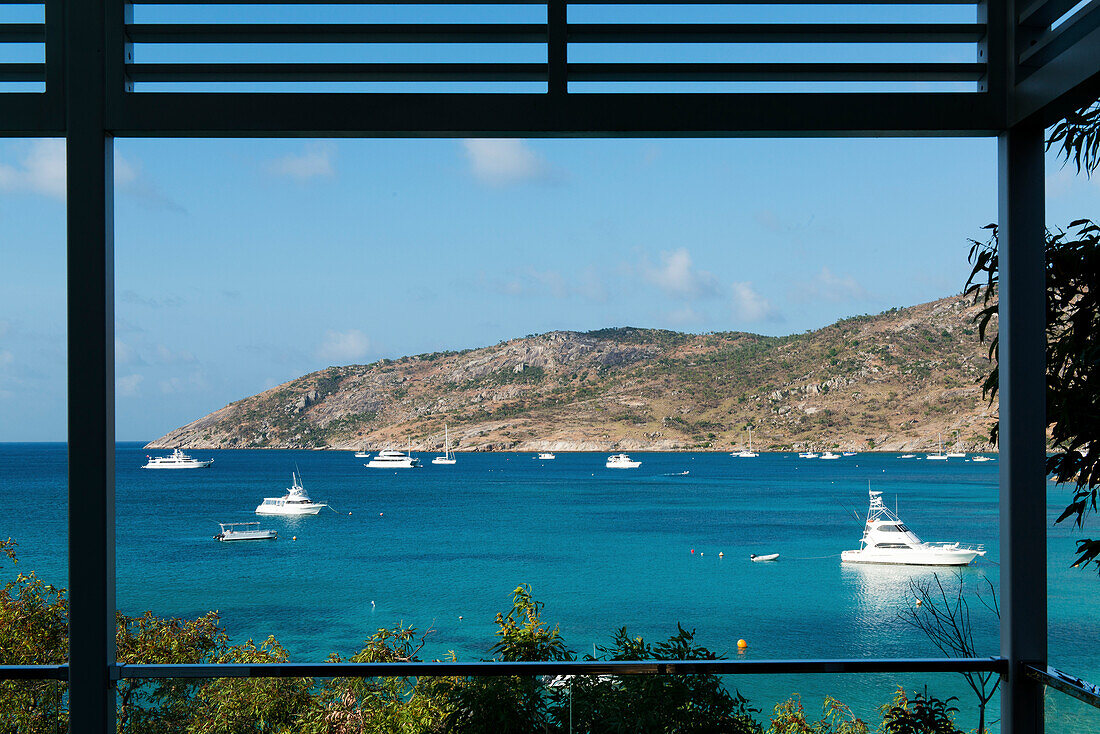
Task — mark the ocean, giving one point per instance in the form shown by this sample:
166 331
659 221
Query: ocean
441 548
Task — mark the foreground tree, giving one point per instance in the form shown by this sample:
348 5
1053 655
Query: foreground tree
944 617
1073 332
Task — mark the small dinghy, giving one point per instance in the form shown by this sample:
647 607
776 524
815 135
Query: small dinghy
766 557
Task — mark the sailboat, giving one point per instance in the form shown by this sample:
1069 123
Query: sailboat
940 456
448 456
749 454
956 454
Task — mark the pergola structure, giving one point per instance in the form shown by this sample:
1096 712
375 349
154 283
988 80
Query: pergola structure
1033 62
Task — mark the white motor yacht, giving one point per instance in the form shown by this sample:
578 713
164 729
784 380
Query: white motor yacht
294 502
546 455
849 453
177 460
887 540
747 453
982 458
362 454
448 456
243 531
908 456
829 455
807 455
391 459
621 461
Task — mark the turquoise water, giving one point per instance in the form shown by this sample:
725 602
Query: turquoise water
443 547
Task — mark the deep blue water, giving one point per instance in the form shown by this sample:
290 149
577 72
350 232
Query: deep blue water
601 548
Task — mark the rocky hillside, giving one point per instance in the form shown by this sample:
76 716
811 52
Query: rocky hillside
891 382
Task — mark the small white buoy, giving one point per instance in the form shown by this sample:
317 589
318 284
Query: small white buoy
349 513
293 537
720 554
379 514
460 616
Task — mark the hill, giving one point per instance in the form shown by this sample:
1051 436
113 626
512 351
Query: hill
893 381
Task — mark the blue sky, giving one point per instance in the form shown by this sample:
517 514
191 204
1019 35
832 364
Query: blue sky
242 264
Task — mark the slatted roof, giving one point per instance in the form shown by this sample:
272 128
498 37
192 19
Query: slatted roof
187 68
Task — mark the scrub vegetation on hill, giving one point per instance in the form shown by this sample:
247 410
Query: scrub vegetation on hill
34 630
902 379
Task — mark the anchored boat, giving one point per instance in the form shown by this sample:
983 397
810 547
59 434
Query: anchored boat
621 461
243 531
887 540
177 460
294 502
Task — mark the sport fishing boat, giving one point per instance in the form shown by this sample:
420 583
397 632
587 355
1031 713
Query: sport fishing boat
887 540
621 461
244 531
391 459
177 460
448 456
546 455
294 502
829 455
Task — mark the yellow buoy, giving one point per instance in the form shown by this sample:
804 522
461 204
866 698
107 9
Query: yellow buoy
720 554
741 644
293 537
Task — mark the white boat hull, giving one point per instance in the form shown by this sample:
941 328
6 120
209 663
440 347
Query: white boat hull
441 460
288 511
180 465
247 535
765 557
932 557
408 464
624 465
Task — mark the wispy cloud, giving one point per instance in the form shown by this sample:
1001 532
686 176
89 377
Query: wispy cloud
749 305
131 180
127 387
676 276
40 170
535 282
194 382
499 162
132 296
315 161
344 346
829 286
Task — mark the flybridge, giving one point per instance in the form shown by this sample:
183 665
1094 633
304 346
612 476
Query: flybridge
556 68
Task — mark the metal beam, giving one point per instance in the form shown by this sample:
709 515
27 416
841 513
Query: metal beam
610 667
91 405
1066 83
262 114
1022 363
537 33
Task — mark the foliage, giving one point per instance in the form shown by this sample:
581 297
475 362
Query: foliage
506 704
923 714
34 630
1072 358
652 703
1078 138
945 619
381 705
789 717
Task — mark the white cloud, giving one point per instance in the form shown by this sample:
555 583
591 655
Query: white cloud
165 355
344 346
313 162
829 286
127 387
124 353
504 161
749 305
194 382
40 171
676 276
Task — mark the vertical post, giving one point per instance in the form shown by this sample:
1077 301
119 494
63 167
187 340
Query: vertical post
557 46
90 202
1022 331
